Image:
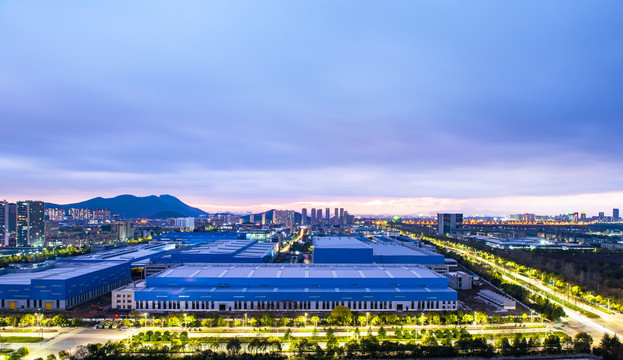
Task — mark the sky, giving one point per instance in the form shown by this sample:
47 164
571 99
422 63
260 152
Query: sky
388 107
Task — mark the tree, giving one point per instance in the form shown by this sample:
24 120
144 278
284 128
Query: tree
173 320
63 354
28 320
284 321
468 319
51 357
382 332
300 321
342 315
362 320
551 344
315 320
23 351
582 343
233 346
59 320
268 319
429 340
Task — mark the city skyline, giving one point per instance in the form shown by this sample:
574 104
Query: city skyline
388 108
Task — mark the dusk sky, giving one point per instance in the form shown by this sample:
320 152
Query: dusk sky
393 107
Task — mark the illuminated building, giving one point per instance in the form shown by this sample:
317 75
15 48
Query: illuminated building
449 224
55 214
615 214
304 216
30 223
101 214
80 213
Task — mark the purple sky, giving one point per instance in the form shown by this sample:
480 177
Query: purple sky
381 106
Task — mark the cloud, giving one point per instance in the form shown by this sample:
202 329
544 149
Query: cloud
284 102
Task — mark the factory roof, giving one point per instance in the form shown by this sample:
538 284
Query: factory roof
340 242
129 253
291 271
59 271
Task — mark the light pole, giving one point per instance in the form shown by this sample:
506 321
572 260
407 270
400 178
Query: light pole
245 319
185 319
145 316
367 318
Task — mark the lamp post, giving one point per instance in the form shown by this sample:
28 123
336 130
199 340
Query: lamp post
245 319
367 318
185 319
145 316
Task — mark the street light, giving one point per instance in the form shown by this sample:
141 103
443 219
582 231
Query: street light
145 315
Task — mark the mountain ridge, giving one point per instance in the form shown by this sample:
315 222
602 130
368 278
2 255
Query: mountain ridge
131 206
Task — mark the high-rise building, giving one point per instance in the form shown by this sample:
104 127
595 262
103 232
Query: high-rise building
327 215
101 214
304 216
55 214
583 216
313 215
30 223
319 216
187 223
264 218
341 216
252 218
80 213
4 223
615 214
602 215
451 224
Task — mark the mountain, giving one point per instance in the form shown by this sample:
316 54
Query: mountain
132 207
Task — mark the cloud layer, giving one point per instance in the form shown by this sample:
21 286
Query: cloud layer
247 103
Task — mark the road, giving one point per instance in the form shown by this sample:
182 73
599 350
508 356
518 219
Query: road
612 324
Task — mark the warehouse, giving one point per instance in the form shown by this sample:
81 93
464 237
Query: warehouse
260 287
376 250
51 286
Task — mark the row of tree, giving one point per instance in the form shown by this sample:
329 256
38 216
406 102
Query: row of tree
366 347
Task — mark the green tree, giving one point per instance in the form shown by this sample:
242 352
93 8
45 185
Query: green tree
59 320
172 320
233 346
28 320
582 343
551 344
342 315
315 320
382 332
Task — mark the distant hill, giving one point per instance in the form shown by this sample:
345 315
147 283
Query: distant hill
133 207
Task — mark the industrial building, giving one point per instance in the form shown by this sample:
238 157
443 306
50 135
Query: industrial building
260 287
224 251
51 286
376 250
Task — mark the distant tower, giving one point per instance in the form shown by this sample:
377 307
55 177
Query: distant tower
341 215
449 224
252 218
327 215
264 218
304 216
615 214
30 223
4 223
319 216
313 215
